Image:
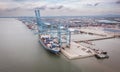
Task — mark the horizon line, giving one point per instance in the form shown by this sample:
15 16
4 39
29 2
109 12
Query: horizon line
111 15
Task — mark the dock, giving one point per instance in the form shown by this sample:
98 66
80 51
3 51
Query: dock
76 51
92 31
97 31
94 39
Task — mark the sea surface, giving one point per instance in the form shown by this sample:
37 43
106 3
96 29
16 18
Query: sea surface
20 51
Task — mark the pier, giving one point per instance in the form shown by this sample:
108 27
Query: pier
102 38
98 31
76 51
92 31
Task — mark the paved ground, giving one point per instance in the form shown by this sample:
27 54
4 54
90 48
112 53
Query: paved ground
77 51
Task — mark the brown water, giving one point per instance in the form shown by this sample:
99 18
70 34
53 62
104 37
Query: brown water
20 51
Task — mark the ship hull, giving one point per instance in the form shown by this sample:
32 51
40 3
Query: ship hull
47 48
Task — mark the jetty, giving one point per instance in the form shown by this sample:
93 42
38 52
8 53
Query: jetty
92 31
98 31
94 39
76 51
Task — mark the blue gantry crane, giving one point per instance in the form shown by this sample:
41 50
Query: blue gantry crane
59 32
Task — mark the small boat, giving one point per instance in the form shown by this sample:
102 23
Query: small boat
49 43
101 56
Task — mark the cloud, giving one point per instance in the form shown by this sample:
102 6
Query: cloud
118 2
41 8
96 4
56 7
60 7
20 0
13 9
24 0
48 6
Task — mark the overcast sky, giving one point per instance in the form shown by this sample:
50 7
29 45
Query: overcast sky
59 7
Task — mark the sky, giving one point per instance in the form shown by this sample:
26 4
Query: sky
59 7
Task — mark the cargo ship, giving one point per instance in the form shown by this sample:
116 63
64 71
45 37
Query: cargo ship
48 41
